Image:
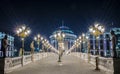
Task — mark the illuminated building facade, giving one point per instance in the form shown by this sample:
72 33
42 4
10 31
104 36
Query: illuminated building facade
104 43
69 39
10 49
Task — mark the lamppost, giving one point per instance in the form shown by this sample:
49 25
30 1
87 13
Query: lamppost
59 36
38 38
46 43
76 44
23 32
97 30
88 47
84 41
81 40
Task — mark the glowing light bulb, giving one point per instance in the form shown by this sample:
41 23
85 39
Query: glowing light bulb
96 25
55 35
91 29
38 36
23 27
35 38
20 30
28 31
63 35
100 27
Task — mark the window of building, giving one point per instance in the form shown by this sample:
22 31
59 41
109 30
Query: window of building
101 44
0 44
107 36
91 41
91 46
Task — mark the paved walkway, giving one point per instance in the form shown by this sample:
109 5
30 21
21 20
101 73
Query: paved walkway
70 65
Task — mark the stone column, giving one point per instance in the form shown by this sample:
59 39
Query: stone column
99 48
104 47
94 46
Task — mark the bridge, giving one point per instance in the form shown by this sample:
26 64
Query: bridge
46 63
69 65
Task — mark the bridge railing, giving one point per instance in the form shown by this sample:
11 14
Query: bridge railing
109 65
16 62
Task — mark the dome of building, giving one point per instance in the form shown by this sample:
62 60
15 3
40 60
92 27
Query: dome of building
69 37
64 29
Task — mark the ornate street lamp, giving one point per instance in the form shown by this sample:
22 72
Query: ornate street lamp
47 45
59 36
23 32
38 38
97 30
76 44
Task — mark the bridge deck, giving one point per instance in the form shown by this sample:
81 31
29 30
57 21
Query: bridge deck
70 65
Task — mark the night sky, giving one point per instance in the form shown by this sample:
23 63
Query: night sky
44 16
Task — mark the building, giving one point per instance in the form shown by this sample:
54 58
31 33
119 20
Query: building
10 49
117 32
68 40
104 44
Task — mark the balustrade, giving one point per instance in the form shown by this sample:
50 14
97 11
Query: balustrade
16 62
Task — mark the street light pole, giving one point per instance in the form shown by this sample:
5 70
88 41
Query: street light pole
97 30
60 38
23 32
22 51
38 45
22 46
38 38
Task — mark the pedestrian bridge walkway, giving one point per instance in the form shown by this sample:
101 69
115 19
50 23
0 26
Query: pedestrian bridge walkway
70 65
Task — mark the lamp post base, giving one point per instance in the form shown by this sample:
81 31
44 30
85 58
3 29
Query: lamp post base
97 65
59 60
97 69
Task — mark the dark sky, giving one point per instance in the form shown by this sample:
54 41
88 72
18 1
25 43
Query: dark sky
44 16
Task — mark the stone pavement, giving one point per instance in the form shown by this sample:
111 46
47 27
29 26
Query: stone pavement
70 65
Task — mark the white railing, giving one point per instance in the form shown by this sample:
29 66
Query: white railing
27 59
16 62
8 54
105 64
